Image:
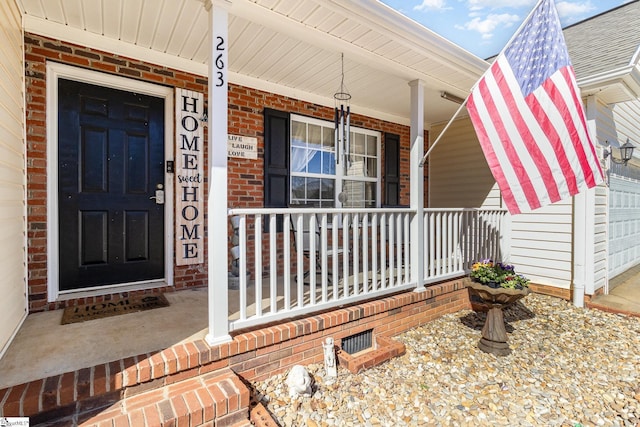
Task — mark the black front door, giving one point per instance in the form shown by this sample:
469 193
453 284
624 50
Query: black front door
110 164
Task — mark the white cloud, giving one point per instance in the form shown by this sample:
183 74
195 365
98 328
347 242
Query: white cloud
431 4
497 4
487 25
574 11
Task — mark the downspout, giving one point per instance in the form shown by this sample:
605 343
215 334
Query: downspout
584 226
579 248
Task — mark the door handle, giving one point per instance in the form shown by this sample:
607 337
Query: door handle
159 197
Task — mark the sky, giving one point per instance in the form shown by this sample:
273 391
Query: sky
483 27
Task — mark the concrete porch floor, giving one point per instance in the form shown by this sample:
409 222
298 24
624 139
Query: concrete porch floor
624 294
43 347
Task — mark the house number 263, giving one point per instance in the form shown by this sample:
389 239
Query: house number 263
219 62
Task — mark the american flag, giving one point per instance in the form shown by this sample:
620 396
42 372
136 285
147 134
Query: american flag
528 115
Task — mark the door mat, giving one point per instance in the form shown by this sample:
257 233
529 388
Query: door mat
99 310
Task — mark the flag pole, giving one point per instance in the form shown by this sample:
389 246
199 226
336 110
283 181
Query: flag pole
513 36
424 158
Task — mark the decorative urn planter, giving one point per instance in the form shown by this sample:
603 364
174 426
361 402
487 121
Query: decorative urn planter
494 334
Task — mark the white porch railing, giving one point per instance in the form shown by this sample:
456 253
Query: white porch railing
299 260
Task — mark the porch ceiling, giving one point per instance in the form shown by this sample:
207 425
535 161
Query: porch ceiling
282 46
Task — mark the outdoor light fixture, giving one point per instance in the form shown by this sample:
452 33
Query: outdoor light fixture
626 152
450 97
342 117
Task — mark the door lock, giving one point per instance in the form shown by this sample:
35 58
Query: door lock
159 197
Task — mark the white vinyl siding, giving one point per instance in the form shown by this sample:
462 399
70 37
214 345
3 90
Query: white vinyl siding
625 122
541 244
458 174
13 299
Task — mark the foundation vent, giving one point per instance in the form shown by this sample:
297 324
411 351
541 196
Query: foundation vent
357 342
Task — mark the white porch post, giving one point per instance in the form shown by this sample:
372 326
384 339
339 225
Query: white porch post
217 190
416 184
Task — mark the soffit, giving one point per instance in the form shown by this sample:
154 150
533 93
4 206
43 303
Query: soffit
284 46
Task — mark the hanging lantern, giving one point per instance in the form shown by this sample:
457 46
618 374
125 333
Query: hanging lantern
342 118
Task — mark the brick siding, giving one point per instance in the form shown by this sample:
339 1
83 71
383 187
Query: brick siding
245 189
116 388
565 294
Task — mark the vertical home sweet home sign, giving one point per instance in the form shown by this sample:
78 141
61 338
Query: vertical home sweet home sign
189 178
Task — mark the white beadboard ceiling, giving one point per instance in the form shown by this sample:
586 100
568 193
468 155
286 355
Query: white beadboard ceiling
283 46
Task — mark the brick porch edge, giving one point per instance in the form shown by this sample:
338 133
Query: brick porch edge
253 355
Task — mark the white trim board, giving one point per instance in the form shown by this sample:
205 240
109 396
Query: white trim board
56 71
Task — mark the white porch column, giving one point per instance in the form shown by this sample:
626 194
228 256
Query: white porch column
217 190
416 184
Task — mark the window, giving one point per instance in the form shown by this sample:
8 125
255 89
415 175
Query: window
319 174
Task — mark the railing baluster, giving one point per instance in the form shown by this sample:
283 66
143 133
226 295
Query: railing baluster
407 248
335 259
466 253
376 255
439 243
324 245
392 248
474 241
258 263
242 267
273 264
484 238
496 234
432 244
365 253
399 260
374 251
384 244
449 253
457 242
356 254
490 236
345 255
313 226
299 236
425 243
286 233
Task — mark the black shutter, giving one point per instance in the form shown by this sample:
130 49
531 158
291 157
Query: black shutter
391 169
276 160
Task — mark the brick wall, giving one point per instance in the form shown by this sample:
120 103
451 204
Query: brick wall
253 355
246 106
565 294
38 50
270 351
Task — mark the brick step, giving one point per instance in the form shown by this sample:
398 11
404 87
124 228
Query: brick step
219 398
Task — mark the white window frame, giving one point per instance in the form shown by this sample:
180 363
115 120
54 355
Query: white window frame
340 176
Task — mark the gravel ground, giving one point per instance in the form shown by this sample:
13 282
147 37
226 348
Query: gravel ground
568 367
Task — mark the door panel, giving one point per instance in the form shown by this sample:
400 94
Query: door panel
111 161
93 229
